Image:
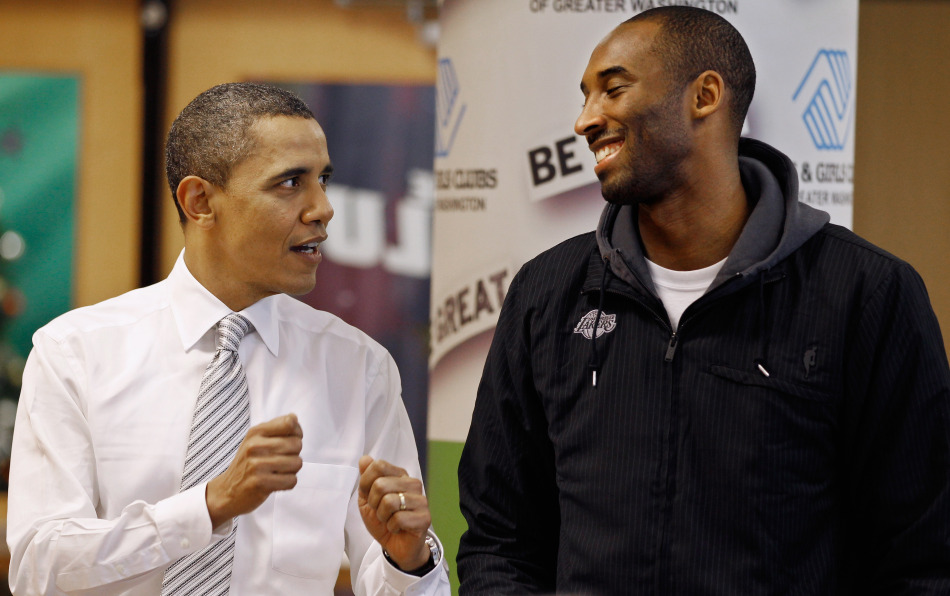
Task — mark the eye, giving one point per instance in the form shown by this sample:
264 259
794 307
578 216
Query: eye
324 179
292 182
611 91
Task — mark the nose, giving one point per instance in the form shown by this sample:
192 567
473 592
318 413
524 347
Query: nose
319 209
591 118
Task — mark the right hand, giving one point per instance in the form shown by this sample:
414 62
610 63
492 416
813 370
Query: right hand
267 460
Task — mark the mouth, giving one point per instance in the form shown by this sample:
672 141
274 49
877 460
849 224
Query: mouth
309 249
604 152
607 150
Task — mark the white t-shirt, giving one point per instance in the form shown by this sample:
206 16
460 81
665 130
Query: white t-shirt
678 289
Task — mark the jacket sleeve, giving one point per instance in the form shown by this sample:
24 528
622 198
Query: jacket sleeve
507 484
57 541
897 450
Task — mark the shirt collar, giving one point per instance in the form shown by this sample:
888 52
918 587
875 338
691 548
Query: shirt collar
196 310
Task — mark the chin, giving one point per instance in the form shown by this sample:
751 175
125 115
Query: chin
300 291
617 194
616 188
626 190
298 287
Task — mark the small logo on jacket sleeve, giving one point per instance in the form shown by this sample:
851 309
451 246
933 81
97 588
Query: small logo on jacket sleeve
810 360
606 324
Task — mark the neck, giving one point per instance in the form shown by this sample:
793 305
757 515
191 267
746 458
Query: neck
229 291
697 226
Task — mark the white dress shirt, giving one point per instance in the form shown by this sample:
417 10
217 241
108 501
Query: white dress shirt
103 421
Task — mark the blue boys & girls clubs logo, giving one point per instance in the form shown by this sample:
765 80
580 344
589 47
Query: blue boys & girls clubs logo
449 108
828 91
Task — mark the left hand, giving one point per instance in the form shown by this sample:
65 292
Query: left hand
402 532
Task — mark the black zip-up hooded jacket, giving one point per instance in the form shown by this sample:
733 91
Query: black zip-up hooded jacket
792 436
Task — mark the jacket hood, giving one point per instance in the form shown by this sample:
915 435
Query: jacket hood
777 226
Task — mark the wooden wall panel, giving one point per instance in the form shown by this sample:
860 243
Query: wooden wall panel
902 159
100 41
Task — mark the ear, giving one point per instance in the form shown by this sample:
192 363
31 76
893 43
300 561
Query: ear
194 196
708 91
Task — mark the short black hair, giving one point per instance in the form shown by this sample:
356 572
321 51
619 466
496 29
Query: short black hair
211 135
693 40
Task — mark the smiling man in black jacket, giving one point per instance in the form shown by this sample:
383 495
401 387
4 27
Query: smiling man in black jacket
719 392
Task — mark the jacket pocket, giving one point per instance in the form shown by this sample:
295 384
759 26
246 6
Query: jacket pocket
784 431
309 520
757 379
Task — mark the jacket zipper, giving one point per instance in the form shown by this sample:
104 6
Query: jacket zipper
671 348
675 338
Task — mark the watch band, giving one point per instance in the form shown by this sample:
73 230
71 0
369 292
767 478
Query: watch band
435 556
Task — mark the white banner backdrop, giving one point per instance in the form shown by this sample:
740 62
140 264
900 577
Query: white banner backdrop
512 178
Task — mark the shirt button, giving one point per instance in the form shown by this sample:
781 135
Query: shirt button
185 543
120 569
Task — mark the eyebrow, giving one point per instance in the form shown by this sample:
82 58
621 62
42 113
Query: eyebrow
291 172
606 73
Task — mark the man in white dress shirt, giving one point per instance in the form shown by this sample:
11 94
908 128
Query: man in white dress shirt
329 463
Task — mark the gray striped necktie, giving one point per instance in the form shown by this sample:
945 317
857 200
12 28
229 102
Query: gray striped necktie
222 418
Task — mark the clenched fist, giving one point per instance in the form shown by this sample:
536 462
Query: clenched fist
395 511
267 460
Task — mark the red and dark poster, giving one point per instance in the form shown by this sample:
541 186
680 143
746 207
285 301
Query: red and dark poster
377 259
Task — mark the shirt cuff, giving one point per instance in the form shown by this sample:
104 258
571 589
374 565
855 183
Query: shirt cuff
411 585
185 524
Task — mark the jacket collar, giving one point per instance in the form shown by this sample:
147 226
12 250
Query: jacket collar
778 225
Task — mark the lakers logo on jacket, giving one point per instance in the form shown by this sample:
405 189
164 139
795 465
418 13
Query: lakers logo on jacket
606 324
